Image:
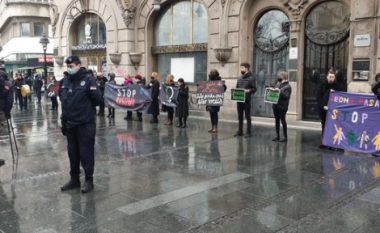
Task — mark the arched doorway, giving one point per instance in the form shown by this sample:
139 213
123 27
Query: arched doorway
180 41
326 45
89 41
271 47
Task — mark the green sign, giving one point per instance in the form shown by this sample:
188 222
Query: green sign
238 95
272 95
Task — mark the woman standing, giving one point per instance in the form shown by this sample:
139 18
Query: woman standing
127 82
170 110
214 110
111 110
53 89
183 103
154 106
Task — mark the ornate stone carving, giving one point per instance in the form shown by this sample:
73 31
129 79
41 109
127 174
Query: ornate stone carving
115 58
295 6
128 10
223 54
54 16
223 2
135 59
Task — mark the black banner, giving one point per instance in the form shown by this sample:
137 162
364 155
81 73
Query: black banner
168 95
210 93
131 98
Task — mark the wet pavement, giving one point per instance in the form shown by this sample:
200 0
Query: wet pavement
155 178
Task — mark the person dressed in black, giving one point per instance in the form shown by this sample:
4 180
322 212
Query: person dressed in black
154 106
140 80
376 86
23 101
326 85
101 82
111 110
248 83
38 83
280 109
79 95
214 110
170 110
29 82
6 100
183 104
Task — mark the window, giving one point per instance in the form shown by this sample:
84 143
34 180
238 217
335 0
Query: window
90 30
25 29
38 29
184 22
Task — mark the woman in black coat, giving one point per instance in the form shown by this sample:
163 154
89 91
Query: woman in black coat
154 106
214 110
183 103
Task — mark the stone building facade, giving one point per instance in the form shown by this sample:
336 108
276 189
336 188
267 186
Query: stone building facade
190 37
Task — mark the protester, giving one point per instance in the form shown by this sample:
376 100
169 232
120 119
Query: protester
53 89
29 82
281 107
23 101
111 110
214 110
127 82
141 82
326 85
154 85
170 110
101 82
6 100
183 104
376 86
79 95
248 83
38 83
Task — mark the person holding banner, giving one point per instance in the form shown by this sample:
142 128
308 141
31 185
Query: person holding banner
376 86
154 85
248 83
280 109
214 110
140 80
325 87
170 110
127 82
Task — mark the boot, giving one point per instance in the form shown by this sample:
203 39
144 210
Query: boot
215 129
212 129
179 125
73 183
2 162
184 122
88 185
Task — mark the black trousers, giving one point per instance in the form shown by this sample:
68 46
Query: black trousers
111 111
38 94
322 115
214 118
244 109
23 101
54 102
80 147
280 115
170 113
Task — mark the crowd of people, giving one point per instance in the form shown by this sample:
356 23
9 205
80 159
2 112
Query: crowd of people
82 90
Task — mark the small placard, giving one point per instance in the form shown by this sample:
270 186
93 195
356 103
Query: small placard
293 53
362 40
272 95
360 70
238 95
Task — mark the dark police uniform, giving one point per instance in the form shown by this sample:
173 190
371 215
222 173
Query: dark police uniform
79 95
6 100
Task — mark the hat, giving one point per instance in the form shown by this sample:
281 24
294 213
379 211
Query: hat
73 59
138 77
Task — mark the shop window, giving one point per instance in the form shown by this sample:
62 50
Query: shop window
25 29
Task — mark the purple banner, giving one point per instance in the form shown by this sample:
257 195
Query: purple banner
353 122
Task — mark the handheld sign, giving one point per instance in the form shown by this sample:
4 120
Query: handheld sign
271 95
238 95
210 93
168 95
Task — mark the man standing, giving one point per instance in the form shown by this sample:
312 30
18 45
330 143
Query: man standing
281 107
79 95
6 100
101 82
23 101
38 83
248 83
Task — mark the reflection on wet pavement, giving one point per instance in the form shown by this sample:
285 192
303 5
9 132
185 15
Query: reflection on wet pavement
154 178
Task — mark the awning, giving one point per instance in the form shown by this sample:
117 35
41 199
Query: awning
24 45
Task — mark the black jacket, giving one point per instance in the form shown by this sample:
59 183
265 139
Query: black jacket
324 90
183 102
154 106
6 94
248 82
376 89
18 84
285 93
215 108
79 95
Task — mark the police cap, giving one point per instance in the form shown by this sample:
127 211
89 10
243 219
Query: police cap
73 59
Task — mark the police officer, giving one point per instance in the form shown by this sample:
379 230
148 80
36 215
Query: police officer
79 96
6 100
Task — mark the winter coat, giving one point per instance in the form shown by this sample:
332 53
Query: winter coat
154 108
183 102
285 93
215 108
324 90
248 82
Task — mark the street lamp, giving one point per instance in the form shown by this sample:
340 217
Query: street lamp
44 41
